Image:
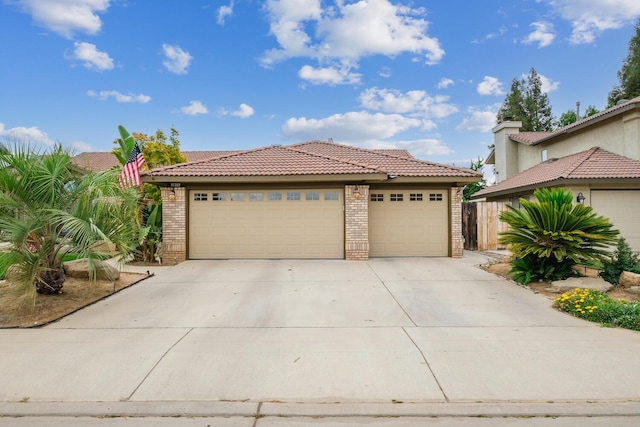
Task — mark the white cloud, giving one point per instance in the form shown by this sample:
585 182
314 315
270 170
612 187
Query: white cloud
194 108
479 120
385 72
28 135
501 31
589 18
92 58
445 83
548 85
543 34
420 148
82 147
413 102
103 95
66 17
223 12
490 86
244 111
352 126
348 31
331 76
176 60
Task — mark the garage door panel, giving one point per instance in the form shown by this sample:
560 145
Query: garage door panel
269 228
410 225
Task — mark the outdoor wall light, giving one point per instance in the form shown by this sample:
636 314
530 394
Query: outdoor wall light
172 194
580 199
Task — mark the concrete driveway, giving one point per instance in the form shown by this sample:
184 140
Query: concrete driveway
291 336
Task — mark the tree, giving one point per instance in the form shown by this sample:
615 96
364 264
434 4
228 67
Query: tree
629 75
551 235
527 103
570 116
156 152
49 208
471 189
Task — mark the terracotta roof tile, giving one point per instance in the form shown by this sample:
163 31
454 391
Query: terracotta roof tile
591 164
99 161
529 138
266 161
395 165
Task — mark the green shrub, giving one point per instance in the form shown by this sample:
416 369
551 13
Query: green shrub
532 268
623 259
598 307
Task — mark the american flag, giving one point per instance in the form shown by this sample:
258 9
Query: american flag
131 170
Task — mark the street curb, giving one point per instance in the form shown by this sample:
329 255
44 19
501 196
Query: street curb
302 409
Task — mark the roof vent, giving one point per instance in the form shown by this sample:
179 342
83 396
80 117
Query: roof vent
622 102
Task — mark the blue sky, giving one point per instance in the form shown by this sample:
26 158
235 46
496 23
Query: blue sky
423 75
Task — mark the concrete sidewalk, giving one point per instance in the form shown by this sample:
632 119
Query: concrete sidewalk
256 340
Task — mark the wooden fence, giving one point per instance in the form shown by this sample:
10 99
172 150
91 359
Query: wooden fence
481 225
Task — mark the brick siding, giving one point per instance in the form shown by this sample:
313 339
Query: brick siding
356 206
456 239
174 225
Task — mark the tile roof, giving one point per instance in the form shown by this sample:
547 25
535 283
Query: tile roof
265 161
395 152
533 138
395 165
529 138
99 161
592 164
313 158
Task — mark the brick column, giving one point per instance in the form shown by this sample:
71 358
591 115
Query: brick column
356 222
456 239
174 225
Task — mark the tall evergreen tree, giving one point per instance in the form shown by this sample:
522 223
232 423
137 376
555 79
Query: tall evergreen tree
526 102
629 75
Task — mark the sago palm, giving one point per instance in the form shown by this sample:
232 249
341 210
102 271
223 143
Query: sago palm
49 208
556 232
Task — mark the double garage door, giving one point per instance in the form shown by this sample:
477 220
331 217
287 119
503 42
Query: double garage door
274 223
309 223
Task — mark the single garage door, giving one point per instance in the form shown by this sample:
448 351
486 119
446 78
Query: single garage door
281 223
622 207
408 223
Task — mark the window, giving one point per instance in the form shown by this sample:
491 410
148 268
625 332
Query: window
293 195
237 197
544 155
435 197
415 197
377 197
331 195
312 195
256 197
275 195
200 197
396 197
219 197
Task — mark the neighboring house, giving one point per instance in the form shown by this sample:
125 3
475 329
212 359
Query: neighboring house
311 200
596 158
99 161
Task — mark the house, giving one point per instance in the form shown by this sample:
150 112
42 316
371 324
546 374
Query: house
97 161
311 200
596 158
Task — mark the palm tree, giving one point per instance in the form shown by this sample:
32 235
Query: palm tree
549 236
48 208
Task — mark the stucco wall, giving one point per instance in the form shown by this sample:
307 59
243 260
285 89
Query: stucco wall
620 136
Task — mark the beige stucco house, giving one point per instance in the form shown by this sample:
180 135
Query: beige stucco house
596 158
311 200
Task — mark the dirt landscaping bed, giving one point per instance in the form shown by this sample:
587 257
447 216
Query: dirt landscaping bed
501 268
22 312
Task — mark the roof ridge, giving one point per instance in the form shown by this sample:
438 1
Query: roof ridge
581 157
367 150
